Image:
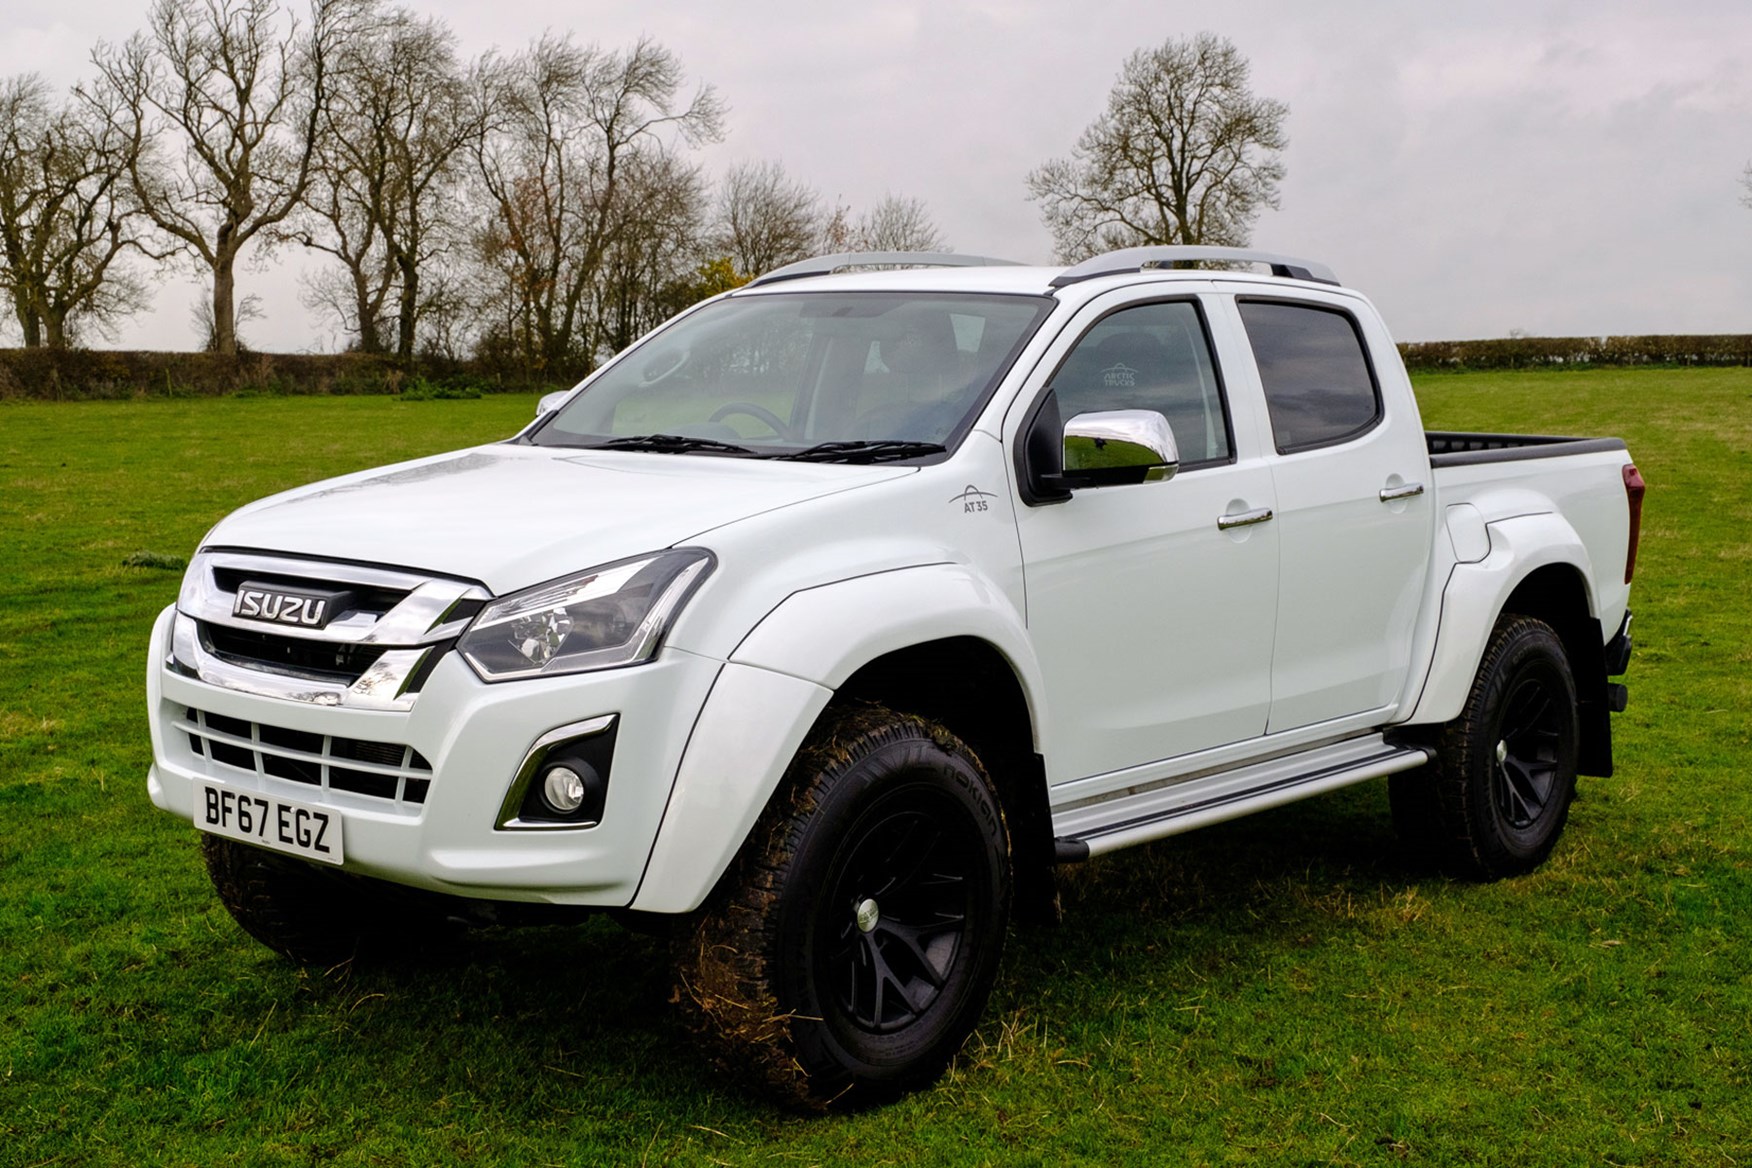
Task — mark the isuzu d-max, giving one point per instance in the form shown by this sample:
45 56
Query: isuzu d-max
823 622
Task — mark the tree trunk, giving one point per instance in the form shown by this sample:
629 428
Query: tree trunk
224 296
365 313
405 312
55 330
29 323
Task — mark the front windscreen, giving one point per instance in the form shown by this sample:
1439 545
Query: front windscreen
786 373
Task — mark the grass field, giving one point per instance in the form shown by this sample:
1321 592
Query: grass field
1286 989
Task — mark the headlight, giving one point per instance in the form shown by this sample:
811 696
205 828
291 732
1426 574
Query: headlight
609 616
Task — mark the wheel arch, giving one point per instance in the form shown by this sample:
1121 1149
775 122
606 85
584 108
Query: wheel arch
1558 595
970 687
1538 566
937 640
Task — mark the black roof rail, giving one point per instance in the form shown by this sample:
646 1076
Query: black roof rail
1136 259
828 264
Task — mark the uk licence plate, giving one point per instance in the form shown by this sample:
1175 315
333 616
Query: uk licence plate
270 822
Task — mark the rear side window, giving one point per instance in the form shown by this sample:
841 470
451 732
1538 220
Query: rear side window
1318 383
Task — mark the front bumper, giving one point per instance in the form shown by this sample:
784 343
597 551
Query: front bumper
474 737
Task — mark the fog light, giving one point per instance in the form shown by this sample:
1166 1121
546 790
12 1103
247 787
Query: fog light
562 789
563 781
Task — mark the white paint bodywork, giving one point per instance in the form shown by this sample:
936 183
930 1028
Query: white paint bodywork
1151 648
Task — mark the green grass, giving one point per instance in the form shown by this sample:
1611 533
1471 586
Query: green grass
1285 989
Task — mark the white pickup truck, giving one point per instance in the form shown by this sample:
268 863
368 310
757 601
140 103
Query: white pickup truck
825 620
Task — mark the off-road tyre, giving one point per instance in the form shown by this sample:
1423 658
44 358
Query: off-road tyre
852 945
1495 798
315 916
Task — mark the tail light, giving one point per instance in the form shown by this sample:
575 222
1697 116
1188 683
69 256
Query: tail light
1633 493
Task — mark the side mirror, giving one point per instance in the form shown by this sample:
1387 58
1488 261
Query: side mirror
551 401
1116 448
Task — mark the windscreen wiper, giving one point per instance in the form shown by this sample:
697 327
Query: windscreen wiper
878 450
671 444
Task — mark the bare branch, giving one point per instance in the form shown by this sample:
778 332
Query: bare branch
222 99
1183 154
765 219
576 133
65 223
394 132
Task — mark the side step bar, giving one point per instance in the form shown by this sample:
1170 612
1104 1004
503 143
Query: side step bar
1154 811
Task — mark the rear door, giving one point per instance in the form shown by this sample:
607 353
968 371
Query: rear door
1353 504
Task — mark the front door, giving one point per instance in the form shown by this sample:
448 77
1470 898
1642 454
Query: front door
1153 625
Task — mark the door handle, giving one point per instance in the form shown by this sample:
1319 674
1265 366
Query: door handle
1408 491
1244 519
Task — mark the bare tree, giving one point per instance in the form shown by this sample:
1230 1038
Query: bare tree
897 224
396 124
653 251
764 218
1183 154
221 100
573 122
64 223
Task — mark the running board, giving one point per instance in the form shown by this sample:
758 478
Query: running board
1154 811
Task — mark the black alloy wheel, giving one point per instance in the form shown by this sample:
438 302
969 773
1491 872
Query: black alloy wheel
1529 749
893 923
1495 798
851 948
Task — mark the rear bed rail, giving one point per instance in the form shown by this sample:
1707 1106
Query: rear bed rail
1456 448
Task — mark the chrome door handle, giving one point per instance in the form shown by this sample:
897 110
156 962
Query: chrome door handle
1408 491
1244 519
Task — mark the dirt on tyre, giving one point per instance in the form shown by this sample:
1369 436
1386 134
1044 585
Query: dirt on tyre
311 915
851 948
1495 799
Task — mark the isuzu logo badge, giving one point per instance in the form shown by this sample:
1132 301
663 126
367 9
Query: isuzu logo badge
285 606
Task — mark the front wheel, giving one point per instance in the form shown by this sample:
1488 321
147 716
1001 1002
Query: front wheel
852 948
312 915
1496 798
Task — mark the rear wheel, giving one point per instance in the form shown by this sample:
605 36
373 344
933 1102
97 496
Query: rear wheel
1496 798
852 949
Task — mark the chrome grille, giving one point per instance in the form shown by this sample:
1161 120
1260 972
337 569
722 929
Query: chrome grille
293 656
385 636
389 771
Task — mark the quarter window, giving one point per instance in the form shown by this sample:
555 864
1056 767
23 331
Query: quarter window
1152 357
1318 384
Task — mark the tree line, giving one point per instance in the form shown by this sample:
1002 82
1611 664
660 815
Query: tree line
539 209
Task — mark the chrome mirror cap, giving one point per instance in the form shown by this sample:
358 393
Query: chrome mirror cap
1117 447
551 401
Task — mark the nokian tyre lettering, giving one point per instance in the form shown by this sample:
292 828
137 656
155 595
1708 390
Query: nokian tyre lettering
1496 798
850 950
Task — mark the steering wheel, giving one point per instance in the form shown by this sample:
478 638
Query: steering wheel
660 369
759 413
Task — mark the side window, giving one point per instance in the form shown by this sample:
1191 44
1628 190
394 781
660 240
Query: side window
1152 357
1318 383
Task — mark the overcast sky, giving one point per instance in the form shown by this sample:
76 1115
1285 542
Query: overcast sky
1537 165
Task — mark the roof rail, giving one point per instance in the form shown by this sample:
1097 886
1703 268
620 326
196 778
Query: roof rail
828 264
1136 259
